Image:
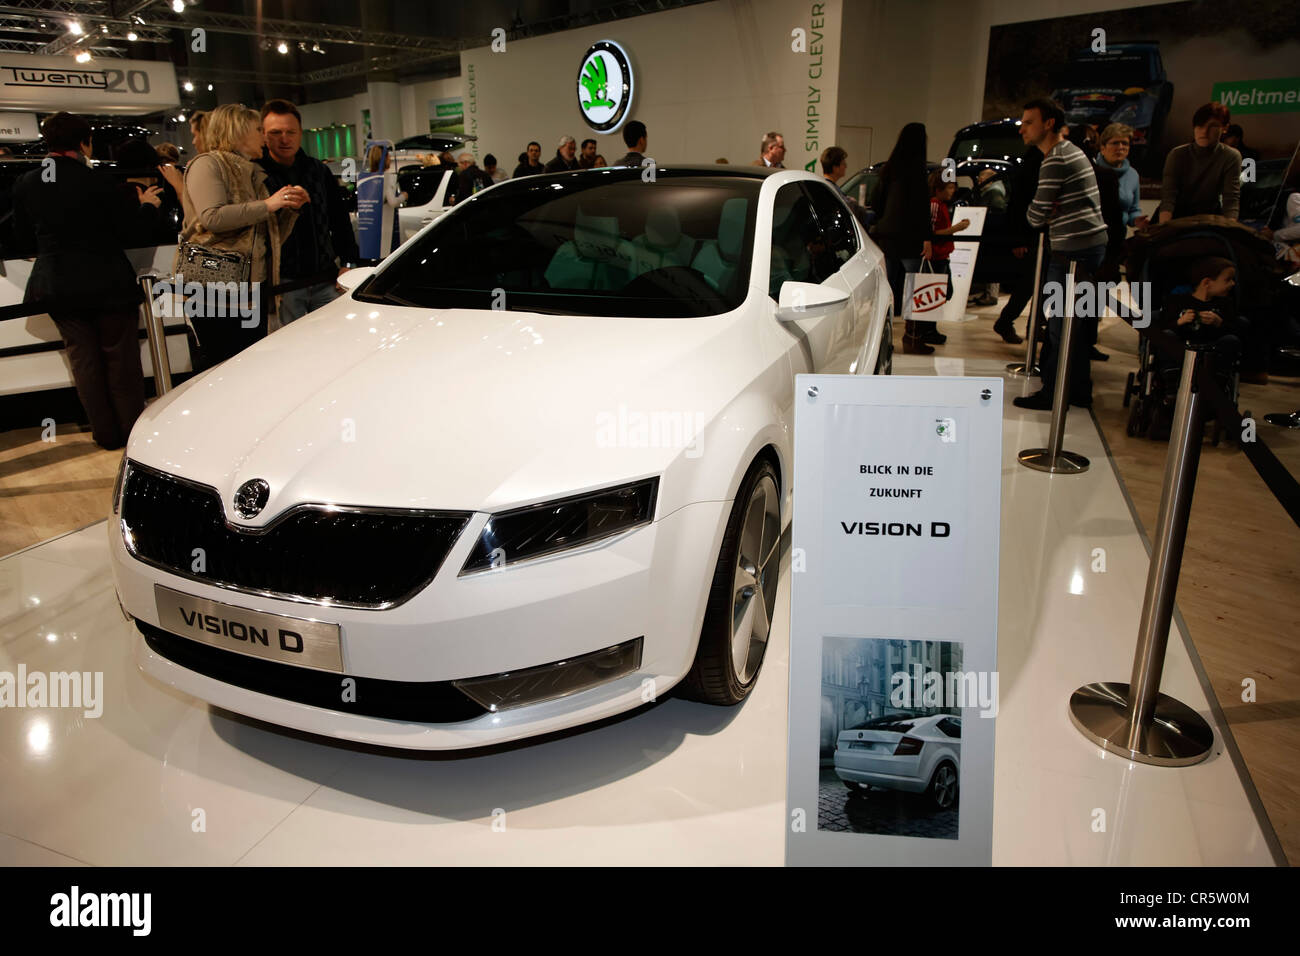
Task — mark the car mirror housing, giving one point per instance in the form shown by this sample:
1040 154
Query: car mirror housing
804 300
354 277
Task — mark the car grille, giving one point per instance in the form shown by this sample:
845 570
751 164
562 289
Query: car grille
353 557
427 702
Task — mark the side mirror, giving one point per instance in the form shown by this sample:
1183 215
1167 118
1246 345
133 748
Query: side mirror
354 277
806 300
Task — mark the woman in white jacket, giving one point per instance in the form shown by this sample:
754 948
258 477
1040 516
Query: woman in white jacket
389 231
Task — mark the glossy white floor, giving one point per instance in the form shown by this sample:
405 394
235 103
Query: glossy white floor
672 783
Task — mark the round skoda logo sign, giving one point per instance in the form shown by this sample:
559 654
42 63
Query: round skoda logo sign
605 86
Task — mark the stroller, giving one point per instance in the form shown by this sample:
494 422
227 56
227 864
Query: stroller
1160 256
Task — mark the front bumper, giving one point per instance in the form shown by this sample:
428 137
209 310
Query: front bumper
651 583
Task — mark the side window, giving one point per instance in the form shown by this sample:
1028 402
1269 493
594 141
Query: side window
950 727
836 224
794 232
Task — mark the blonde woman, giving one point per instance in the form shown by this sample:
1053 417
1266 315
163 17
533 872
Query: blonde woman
227 209
392 199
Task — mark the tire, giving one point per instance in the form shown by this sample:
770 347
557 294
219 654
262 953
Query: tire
944 786
885 355
738 616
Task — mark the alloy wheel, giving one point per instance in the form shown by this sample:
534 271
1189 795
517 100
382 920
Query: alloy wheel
755 579
945 786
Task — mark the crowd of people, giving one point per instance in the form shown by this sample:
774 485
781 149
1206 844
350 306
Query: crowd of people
254 196
1076 188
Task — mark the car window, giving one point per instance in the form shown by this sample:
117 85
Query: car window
836 223
801 249
792 227
598 245
950 726
1002 143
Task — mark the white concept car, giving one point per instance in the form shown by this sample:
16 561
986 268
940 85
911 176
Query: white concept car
905 752
531 472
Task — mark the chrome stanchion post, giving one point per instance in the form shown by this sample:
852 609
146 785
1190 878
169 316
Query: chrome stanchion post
1052 459
1027 368
157 336
1135 720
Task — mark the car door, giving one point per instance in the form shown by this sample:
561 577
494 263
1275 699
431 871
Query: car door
802 252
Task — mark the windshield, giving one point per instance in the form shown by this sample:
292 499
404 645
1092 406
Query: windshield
1116 71
585 244
1002 143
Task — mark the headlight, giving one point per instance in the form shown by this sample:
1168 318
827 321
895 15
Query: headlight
514 536
117 485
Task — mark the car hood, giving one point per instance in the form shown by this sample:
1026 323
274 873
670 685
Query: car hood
365 404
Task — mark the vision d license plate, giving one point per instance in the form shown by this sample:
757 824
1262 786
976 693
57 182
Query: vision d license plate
289 640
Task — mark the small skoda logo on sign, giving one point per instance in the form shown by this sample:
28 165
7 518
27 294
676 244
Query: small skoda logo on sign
251 497
605 86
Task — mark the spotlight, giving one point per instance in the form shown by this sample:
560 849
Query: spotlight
75 28
209 87
180 117
178 6
302 46
316 48
283 47
133 36
103 28
83 56
189 87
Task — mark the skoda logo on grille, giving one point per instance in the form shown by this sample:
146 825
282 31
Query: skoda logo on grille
250 498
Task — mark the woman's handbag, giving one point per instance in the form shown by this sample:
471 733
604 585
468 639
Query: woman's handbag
201 264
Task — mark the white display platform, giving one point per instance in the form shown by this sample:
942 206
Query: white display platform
675 782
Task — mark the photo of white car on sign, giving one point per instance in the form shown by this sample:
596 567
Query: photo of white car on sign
902 752
534 464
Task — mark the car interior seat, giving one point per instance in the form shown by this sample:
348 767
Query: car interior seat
596 258
718 259
663 244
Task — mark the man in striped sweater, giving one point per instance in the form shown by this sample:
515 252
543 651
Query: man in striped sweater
1068 203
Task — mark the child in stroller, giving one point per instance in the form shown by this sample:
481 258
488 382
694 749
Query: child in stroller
1198 312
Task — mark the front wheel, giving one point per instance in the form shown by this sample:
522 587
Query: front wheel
885 354
738 616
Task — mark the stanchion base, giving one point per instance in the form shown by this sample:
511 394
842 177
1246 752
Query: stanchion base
1177 737
1283 420
1066 463
1018 370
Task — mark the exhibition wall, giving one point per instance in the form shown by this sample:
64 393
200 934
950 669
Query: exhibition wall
710 81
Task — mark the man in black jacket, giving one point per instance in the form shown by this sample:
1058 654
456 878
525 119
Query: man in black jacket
531 164
74 219
322 242
1024 241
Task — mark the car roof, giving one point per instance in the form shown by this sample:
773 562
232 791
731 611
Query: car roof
668 170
